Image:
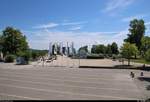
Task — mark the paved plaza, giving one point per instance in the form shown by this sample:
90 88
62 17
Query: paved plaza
65 61
68 83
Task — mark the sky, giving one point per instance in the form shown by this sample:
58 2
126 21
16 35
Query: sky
84 22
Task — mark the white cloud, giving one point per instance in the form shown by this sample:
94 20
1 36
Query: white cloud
121 34
113 5
147 23
140 16
41 39
75 28
45 26
73 23
66 23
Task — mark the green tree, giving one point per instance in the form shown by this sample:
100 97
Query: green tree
43 52
25 54
1 42
114 48
34 54
13 41
98 49
85 48
137 31
108 50
37 53
102 49
147 57
128 50
93 49
145 44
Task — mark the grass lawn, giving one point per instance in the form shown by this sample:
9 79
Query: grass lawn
140 61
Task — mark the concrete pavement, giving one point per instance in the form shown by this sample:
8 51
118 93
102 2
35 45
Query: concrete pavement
63 83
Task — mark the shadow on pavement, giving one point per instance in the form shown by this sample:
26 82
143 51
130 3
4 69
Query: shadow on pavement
148 100
147 79
144 79
146 68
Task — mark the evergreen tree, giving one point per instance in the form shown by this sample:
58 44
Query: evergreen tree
114 48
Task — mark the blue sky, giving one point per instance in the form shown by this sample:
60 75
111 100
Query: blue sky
81 21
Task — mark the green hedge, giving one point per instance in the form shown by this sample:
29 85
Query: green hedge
95 56
147 57
9 58
26 55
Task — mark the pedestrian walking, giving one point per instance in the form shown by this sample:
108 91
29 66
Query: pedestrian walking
132 74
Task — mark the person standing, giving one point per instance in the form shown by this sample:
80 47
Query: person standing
142 74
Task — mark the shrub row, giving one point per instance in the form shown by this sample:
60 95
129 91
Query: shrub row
9 58
95 56
147 57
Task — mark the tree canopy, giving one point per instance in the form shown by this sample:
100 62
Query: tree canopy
145 44
102 49
98 49
108 50
147 57
137 31
1 41
85 48
128 50
13 41
114 48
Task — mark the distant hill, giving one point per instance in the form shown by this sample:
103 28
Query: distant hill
38 50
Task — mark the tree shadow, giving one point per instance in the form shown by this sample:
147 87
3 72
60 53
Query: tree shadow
148 87
124 66
144 79
146 68
147 79
147 100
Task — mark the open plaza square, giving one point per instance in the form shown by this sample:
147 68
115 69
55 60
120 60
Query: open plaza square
75 50
37 82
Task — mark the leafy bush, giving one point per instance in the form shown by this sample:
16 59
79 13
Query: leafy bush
34 55
1 60
9 58
37 53
95 56
147 57
101 56
114 56
26 55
